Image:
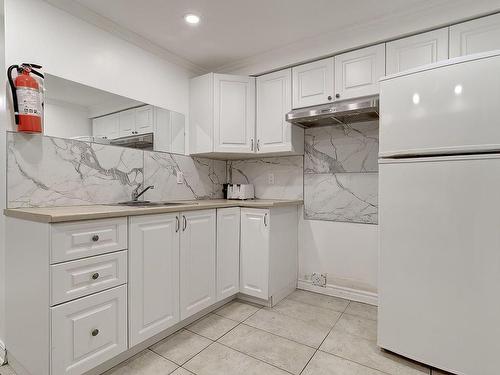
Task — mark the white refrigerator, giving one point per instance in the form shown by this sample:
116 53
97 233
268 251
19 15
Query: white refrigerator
439 275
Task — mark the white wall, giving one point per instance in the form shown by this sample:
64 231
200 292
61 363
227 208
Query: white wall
347 252
66 120
73 49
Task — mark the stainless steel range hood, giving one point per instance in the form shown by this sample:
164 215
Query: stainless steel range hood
142 141
341 112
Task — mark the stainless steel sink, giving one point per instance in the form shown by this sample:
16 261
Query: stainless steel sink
153 204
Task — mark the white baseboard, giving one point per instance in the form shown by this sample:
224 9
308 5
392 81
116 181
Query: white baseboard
3 354
342 292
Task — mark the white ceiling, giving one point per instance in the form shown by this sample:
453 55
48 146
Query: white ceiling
234 30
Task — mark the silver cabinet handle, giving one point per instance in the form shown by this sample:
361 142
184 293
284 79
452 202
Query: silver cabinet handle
265 220
177 224
185 223
258 144
251 145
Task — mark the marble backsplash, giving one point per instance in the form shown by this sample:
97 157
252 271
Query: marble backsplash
288 173
341 173
47 171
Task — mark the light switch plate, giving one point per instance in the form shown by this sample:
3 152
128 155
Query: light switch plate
180 177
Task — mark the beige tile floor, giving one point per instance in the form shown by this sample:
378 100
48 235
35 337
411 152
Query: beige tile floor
307 333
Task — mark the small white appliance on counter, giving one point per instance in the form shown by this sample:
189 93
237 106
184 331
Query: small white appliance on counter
439 277
240 191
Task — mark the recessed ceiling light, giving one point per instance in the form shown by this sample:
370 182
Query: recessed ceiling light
192 19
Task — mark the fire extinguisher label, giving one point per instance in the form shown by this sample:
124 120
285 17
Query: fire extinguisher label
29 102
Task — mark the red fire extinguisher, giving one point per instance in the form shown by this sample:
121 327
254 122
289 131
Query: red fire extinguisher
26 97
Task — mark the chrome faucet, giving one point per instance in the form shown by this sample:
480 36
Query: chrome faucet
136 195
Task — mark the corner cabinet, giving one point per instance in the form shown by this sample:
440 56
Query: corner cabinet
154 275
274 101
269 251
197 261
479 35
222 114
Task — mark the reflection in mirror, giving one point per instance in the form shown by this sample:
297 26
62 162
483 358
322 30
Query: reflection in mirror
76 111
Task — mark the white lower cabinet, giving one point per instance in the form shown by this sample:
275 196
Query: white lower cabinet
255 252
197 261
269 252
228 252
153 275
88 331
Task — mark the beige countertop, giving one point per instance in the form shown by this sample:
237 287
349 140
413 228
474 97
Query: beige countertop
74 213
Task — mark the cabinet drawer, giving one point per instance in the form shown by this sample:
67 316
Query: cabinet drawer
82 277
88 331
87 238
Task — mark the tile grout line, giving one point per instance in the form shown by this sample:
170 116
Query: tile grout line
310 359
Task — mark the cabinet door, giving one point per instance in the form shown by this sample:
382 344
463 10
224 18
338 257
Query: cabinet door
178 127
228 252
254 253
234 113
153 275
417 50
197 261
163 136
127 123
357 72
480 35
88 331
144 119
107 127
313 83
274 101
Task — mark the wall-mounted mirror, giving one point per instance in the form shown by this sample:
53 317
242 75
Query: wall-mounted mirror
76 111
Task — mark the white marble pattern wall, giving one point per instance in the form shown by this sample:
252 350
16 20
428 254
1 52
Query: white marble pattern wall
47 171
288 174
341 173
203 178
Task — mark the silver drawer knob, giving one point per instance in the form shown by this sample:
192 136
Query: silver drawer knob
95 276
95 238
95 332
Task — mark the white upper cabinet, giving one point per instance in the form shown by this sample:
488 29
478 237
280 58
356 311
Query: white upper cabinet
153 283
274 101
357 73
107 127
313 83
234 113
127 122
417 50
479 35
197 261
168 131
222 114
144 120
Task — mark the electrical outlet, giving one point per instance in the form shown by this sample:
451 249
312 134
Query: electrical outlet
180 177
318 279
270 178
